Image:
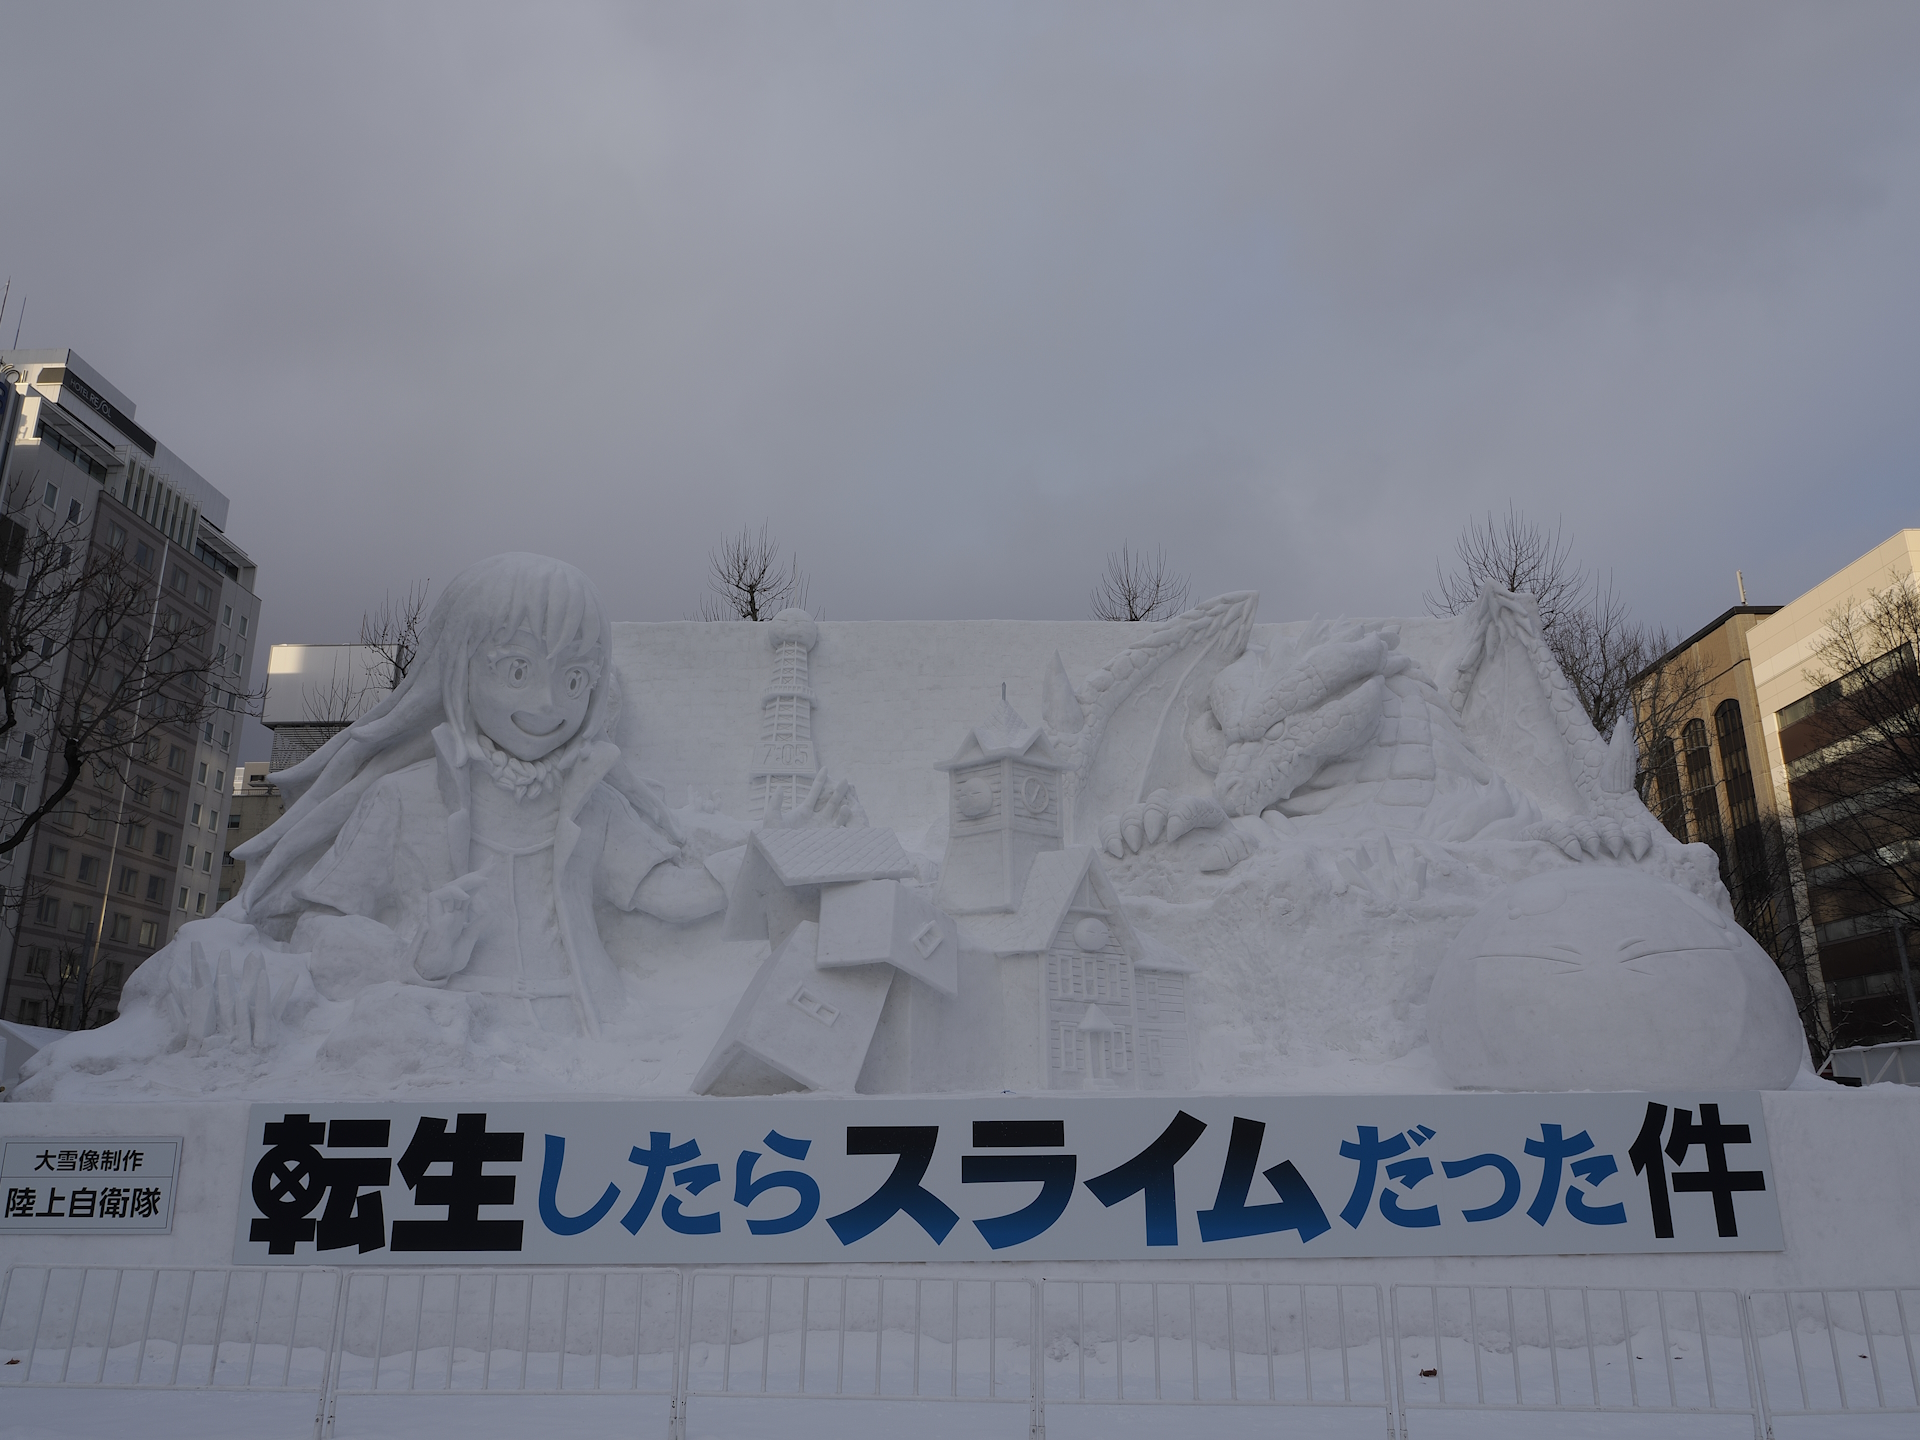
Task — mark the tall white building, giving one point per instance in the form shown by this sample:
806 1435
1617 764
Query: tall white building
109 874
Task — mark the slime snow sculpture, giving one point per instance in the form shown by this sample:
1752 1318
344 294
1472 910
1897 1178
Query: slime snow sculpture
1599 979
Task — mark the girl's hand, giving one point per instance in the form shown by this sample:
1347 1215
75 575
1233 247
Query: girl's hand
451 930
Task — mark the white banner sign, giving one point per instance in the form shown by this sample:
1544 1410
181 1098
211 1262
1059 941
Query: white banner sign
89 1184
692 1181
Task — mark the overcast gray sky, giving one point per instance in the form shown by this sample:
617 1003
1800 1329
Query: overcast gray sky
959 296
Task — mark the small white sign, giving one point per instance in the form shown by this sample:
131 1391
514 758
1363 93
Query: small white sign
89 1185
1047 1177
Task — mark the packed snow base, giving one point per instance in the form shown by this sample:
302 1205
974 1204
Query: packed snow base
1368 856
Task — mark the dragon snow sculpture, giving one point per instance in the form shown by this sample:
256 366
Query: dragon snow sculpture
1194 725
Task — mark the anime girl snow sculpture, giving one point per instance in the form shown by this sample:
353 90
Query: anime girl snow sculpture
459 834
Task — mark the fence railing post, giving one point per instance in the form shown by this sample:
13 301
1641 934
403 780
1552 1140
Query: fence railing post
682 1352
1037 1429
330 1366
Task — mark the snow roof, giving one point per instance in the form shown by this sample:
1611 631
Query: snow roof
827 855
1005 734
1052 882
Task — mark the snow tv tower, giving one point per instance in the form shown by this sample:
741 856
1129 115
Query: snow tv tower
783 767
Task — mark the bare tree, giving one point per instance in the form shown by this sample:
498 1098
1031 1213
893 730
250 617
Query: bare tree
1138 586
1517 554
392 633
394 630
79 994
1856 790
1586 623
90 638
748 582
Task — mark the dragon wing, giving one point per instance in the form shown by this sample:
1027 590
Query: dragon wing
1122 729
1521 715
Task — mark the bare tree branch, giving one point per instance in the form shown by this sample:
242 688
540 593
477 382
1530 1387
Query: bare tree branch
1513 553
748 581
392 632
92 637
1138 586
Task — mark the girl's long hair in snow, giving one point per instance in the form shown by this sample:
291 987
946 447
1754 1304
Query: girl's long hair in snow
485 604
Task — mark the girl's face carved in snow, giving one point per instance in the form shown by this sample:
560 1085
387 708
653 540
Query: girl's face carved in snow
527 702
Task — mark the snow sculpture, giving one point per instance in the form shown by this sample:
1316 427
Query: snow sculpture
470 887
783 767
1112 1007
478 813
830 903
1599 978
1004 807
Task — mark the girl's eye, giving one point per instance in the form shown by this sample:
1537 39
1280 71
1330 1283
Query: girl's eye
514 671
577 680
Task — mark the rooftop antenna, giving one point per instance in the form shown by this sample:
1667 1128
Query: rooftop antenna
1741 581
3 298
17 324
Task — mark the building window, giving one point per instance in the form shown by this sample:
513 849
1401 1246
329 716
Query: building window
1700 789
129 880
149 934
1672 808
206 861
157 889
226 859
117 536
178 580
26 747
200 775
29 1012
195 818
56 860
89 870
219 779
189 857
176 759
116 972
77 918
226 737
202 596
243 624
169 801
38 958
133 836
162 844
122 927
143 555
97 822
226 614
233 821
200 903
46 910
183 897
52 497
19 797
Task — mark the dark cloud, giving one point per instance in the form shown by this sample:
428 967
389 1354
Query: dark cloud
959 296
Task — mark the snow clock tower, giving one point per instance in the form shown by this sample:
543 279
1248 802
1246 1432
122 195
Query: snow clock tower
1003 808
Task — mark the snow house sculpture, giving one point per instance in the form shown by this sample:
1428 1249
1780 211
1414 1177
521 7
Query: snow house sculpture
1111 1017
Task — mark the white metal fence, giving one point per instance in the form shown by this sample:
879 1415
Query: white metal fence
675 1354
